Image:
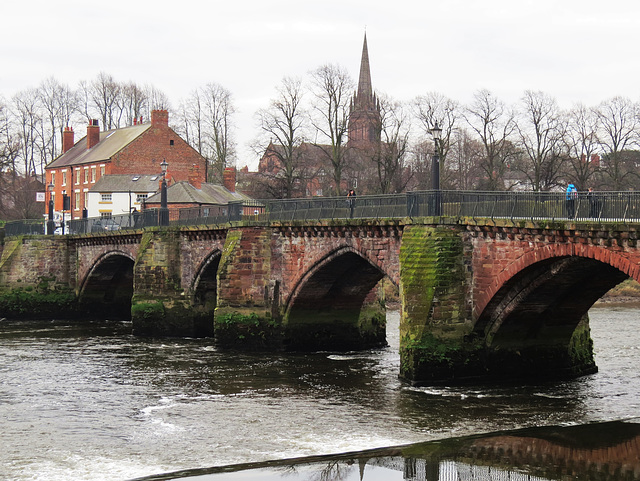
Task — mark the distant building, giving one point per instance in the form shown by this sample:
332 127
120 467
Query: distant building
207 200
135 150
121 194
20 196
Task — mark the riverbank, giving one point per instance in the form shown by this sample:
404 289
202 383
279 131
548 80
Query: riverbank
625 294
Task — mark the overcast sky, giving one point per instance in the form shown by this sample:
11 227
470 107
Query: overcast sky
574 50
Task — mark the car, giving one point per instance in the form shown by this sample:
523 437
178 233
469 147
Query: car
105 224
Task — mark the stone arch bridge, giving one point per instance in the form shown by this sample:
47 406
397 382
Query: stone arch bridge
478 297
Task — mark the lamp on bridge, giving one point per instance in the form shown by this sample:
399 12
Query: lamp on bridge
164 210
436 132
51 225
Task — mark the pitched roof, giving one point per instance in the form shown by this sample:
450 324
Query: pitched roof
111 142
127 183
185 193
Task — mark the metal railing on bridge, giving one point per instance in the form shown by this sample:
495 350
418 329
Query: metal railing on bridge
612 206
609 206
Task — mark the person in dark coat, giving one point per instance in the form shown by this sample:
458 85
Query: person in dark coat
351 201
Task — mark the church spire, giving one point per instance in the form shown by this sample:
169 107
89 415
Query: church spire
364 82
364 115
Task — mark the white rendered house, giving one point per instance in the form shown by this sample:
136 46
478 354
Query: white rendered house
120 194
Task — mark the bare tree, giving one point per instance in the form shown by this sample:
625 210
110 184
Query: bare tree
618 122
332 88
51 102
9 152
581 144
134 102
541 129
101 99
26 109
283 128
494 125
190 123
205 121
9 146
218 110
156 99
465 154
390 155
434 108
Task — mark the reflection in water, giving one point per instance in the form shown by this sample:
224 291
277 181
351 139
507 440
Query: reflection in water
605 451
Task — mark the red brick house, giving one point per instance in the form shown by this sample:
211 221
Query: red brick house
137 149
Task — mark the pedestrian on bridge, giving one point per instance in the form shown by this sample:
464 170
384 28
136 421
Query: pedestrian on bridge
572 195
351 200
594 203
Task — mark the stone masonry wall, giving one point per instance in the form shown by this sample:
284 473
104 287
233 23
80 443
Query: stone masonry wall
27 261
245 268
297 250
502 250
90 249
197 244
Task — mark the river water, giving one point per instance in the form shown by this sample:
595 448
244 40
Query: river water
91 402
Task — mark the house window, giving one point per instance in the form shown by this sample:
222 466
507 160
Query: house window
105 197
141 198
171 142
86 175
105 214
86 199
77 202
77 172
93 175
101 170
53 178
64 177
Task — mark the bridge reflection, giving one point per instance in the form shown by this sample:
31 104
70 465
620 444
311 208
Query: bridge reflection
604 451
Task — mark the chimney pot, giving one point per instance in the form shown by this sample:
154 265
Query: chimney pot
229 179
67 139
93 133
160 118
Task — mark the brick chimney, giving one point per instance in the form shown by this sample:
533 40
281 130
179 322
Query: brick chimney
159 118
194 180
229 179
93 133
67 139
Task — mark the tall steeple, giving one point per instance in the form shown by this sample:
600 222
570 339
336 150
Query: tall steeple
364 81
364 117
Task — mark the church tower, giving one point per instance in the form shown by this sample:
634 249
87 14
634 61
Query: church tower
364 116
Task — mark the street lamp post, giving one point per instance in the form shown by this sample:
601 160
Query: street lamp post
51 225
436 132
164 210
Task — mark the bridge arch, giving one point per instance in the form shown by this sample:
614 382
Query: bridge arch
336 304
107 289
538 306
204 287
550 251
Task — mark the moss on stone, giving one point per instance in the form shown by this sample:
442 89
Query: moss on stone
149 310
246 329
581 346
38 303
